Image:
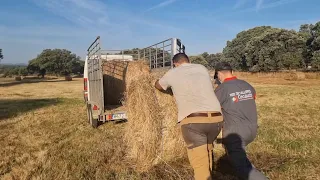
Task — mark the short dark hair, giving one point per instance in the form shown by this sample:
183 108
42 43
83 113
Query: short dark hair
180 57
223 66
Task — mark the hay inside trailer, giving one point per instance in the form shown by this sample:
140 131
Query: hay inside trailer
114 85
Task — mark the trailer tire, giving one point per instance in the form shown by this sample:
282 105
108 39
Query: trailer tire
93 122
89 114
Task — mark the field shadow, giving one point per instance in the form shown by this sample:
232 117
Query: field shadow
235 162
28 81
262 162
13 107
223 168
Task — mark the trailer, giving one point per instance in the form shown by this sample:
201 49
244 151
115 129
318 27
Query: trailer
98 72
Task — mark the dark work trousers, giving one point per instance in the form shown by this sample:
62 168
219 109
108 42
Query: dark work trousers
199 134
235 139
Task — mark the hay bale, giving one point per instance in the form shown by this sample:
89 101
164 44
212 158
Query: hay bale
172 142
17 78
294 76
136 70
312 75
151 132
68 78
143 130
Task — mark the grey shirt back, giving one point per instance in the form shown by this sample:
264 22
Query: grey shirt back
237 99
192 89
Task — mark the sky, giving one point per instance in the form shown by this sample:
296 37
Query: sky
29 26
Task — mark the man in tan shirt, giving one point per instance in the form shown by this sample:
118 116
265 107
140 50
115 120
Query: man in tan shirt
199 111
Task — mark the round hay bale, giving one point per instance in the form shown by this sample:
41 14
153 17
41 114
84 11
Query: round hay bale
301 76
312 75
68 78
152 119
294 76
17 78
143 130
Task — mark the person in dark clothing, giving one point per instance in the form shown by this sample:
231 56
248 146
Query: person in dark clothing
237 99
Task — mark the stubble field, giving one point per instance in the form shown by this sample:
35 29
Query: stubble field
45 135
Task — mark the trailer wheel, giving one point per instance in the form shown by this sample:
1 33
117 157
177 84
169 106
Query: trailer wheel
89 114
93 122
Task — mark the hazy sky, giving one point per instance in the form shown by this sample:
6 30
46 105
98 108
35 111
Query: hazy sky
29 26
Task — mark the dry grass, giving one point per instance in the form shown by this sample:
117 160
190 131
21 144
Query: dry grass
37 88
44 134
290 76
281 78
312 75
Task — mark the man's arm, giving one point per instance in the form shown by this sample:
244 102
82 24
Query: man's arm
163 83
158 86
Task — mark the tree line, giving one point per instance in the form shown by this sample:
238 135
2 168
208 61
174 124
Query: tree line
11 70
59 62
266 49
1 56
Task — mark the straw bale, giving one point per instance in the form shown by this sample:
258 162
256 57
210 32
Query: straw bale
143 130
172 142
17 78
294 76
68 78
312 75
151 132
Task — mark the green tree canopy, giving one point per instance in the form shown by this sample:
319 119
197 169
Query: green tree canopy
316 59
57 61
213 59
265 48
311 33
1 55
235 53
198 60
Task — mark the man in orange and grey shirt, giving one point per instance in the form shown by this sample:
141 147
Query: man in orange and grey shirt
199 111
237 99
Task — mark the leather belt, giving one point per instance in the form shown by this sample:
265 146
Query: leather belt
204 114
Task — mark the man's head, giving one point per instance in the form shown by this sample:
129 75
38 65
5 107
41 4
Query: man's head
223 70
179 59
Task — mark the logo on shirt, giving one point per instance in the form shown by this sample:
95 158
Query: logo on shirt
235 99
241 96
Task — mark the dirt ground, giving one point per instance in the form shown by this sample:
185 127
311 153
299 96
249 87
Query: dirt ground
45 135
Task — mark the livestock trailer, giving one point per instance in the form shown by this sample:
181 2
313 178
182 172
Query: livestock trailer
104 73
